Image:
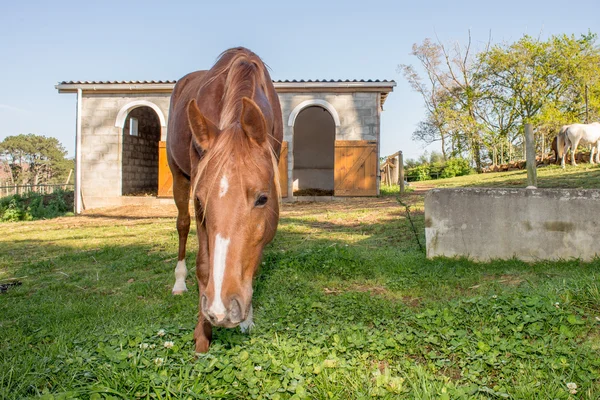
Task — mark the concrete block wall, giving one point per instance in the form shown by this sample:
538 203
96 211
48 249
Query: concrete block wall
531 225
102 141
140 153
101 144
358 114
359 119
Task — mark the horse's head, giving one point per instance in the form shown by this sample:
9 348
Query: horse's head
236 195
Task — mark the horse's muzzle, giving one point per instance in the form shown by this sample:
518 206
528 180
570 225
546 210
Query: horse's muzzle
233 315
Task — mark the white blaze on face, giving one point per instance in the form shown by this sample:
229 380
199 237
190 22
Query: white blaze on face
218 272
224 186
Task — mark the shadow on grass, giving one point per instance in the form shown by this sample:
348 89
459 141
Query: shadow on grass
382 300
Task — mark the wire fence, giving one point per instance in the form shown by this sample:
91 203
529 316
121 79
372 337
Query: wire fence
11 190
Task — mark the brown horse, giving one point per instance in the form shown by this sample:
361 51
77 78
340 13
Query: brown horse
223 143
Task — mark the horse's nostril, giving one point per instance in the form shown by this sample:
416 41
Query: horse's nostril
236 312
204 302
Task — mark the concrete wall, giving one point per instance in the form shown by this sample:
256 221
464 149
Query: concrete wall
101 144
538 224
102 141
358 113
140 153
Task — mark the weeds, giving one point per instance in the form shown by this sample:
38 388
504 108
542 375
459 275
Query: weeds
32 206
345 306
412 224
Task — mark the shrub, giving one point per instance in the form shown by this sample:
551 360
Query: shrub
11 209
436 169
35 206
419 173
456 167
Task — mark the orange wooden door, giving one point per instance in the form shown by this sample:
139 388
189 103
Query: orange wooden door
355 171
165 179
283 169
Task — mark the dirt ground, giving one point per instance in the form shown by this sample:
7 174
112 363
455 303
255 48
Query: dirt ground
376 204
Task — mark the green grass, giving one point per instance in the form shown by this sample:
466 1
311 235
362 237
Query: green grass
346 306
553 176
393 190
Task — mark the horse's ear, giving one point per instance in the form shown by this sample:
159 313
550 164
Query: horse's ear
204 131
253 121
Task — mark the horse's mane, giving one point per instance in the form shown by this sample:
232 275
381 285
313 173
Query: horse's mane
243 72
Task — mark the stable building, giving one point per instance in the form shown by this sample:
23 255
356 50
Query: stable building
331 139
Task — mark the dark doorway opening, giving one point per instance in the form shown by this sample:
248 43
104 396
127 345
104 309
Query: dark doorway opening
141 135
314 146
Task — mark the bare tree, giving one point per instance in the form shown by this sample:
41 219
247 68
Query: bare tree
452 90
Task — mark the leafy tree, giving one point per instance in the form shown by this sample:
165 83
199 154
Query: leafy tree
477 104
541 82
456 167
433 128
451 95
35 159
436 157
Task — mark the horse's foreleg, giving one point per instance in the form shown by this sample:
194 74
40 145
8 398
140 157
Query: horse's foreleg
202 334
564 155
574 145
596 151
181 193
203 331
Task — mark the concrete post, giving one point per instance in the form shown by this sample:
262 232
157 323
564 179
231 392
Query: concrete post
395 172
530 151
78 192
401 172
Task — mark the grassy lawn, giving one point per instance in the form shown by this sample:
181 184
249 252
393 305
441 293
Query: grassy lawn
346 306
583 176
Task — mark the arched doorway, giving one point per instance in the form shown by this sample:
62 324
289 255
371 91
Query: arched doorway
314 145
141 135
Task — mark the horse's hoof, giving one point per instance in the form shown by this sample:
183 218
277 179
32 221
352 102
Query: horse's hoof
179 288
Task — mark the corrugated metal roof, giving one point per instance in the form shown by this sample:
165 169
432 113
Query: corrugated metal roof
114 82
275 81
333 81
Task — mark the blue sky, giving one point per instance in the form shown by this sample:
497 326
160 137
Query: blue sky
43 42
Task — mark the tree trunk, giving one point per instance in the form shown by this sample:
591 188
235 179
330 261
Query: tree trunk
477 154
443 145
543 146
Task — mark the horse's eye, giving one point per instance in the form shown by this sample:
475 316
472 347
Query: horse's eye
261 201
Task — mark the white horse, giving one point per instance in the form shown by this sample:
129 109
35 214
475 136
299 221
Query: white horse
570 136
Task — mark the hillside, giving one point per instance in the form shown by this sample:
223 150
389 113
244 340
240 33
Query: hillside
584 176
